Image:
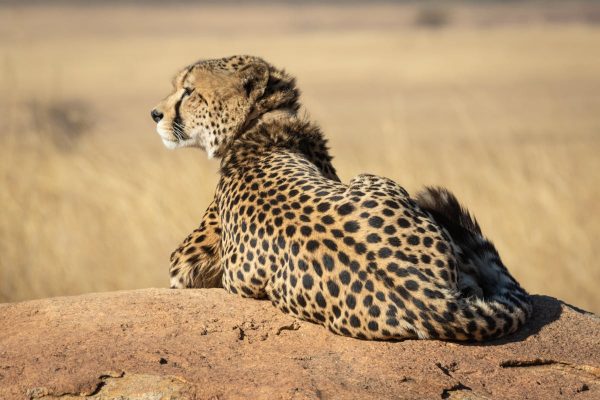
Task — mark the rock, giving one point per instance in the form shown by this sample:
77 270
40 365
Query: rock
207 344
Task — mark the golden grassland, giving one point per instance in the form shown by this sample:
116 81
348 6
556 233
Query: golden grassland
505 115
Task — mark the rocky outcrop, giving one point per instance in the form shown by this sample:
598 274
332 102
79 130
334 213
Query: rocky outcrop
206 344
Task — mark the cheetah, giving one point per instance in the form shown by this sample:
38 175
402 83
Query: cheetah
363 259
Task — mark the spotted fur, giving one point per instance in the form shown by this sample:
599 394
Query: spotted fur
364 259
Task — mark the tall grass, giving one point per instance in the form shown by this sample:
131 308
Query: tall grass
505 116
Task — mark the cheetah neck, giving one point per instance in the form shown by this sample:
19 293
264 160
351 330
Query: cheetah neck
281 129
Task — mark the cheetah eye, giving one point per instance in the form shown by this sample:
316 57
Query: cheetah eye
188 91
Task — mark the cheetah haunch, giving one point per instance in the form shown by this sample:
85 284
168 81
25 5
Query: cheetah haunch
363 259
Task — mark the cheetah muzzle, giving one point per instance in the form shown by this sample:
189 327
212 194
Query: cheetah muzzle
364 259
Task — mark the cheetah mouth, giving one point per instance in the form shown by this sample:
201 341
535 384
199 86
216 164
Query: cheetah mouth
166 134
173 139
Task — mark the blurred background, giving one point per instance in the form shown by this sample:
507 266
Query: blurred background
497 100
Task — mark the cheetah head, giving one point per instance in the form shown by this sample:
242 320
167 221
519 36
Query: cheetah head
214 100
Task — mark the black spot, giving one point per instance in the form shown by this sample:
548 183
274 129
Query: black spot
491 322
301 301
330 244
411 285
427 241
387 212
403 292
471 326
413 240
384 252
290 230
370 204
295 248
317 267
376 222
354 321
356 286
345 277
403 222
452 307
337 233
373 238
333 288
327 220
420 305
374 311
373 326
349 241
360 248
433 294
328 262
392 267
351 301
351 226
312 245
343 257
345 209
319 316
320 300
441 247
307 281
389 230
305 230
247 291
431 330
281 242
394 241
323 207
336 311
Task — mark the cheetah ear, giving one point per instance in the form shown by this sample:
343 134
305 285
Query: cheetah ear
254 79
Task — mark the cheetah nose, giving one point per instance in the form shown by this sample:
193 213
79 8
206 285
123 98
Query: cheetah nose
156 115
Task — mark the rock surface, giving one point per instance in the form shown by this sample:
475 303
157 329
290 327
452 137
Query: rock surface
206 344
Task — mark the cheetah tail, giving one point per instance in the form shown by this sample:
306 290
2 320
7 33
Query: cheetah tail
498 303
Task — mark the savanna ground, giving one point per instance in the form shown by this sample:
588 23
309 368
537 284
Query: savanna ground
500 103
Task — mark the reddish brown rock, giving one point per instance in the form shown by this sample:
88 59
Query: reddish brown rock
202 344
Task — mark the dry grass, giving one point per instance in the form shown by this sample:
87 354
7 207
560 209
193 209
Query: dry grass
506 116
